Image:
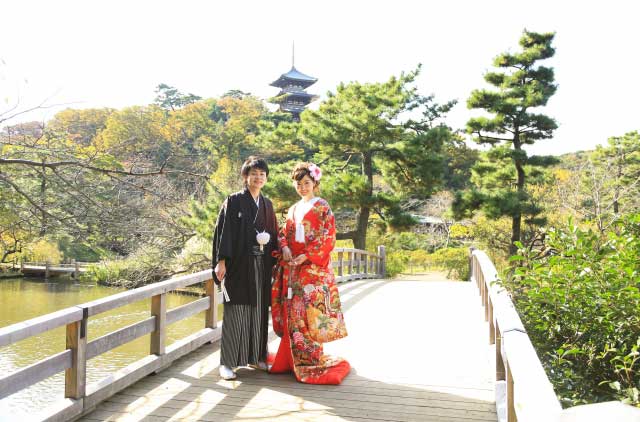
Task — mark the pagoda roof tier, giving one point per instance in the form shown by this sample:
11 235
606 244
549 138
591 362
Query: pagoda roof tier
296 110
302 96
294 76
296 94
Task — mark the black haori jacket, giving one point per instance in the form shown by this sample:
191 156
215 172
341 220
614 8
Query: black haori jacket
233 239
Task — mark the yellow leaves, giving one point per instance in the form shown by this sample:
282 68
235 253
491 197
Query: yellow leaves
190 124
458 231
226 178
246 109
562 175
132 130
42 251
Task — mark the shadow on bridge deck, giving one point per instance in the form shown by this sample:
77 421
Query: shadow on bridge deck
418 351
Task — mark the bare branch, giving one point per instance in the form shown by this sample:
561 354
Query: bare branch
41 106
54 164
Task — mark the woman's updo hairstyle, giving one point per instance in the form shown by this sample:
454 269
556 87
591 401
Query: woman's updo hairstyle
307 169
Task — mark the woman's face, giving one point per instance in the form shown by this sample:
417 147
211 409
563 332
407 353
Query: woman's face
304 187
256 179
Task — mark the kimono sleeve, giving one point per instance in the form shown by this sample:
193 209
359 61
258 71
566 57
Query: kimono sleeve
284 232
273 241
323 239
222 238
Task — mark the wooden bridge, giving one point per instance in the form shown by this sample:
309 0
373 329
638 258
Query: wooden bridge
46 269
420 351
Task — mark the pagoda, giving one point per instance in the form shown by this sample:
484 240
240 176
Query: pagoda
292 97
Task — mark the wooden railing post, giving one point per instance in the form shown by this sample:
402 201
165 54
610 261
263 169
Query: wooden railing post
46 270
471 266
364 264
211 314
352 263
511 409
500 369
492 328
382 266
159 335
356 257
76 273
487 302
75 378
340 263
482 284
21 266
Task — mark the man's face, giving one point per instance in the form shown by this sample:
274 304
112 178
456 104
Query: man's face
256 179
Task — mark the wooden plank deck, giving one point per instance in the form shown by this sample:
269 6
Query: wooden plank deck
418 349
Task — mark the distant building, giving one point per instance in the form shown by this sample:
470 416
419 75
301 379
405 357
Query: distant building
292 97
428 224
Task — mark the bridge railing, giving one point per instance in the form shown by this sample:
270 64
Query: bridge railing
349 264
47 268
80 397
354 264
530 396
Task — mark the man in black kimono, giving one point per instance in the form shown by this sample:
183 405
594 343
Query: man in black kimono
244 267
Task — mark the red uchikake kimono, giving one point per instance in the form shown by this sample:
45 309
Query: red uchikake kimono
313 314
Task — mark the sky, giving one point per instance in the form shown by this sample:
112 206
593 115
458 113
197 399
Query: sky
114 53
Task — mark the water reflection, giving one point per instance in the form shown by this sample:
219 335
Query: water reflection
21 299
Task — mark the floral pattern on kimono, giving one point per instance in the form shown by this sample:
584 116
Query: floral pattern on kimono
313 315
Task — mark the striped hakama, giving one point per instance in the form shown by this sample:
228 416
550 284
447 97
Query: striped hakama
245 327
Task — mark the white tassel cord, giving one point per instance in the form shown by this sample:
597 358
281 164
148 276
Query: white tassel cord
225 295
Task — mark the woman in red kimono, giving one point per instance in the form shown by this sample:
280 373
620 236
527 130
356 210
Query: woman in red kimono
305 303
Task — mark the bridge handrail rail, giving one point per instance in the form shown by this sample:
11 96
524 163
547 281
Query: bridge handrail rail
530 396
79 397
529 393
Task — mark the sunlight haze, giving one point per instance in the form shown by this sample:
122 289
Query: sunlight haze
114 54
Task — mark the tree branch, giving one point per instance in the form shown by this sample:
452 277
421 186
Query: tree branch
55 164
346 235
27 197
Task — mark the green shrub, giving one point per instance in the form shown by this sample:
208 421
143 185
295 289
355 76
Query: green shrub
146 265
453 260
72 249
194 256
579 301
419 259
396 263
109 273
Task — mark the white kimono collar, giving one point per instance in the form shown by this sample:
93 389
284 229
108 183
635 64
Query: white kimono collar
301 209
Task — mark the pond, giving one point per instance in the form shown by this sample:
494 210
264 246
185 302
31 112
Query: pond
22 299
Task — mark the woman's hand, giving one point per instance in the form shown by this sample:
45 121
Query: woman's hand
286 253
299 259
220 270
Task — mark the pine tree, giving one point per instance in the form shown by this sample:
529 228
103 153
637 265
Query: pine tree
620 159
376 134
521 87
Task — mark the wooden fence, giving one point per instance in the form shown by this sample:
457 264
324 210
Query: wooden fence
354 264
530 396
80 398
